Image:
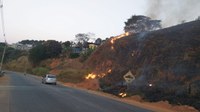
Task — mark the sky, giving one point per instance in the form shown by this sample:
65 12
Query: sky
61 20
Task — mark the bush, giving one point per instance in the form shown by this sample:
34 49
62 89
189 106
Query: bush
74 55
84 56
40 71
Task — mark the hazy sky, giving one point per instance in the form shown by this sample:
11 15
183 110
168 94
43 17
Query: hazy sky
61 20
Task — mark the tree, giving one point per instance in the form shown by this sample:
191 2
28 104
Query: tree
67 44
31 42
98 41
140 23
53 48
37 54
10 53
49 49
82 37
67 48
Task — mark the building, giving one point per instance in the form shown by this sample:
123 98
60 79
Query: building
24 47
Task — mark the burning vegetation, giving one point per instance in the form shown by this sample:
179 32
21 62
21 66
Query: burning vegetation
112 40
91 76
97 76
122 95
165 64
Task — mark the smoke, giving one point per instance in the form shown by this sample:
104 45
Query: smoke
173 12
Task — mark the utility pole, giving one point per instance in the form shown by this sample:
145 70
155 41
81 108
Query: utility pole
4 35
2 58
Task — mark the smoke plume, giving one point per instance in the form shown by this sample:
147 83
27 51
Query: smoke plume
173 12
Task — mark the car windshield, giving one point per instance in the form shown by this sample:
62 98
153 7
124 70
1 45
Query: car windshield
51 76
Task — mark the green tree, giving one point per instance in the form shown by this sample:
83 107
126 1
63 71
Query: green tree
10 53
67 44
67 48
32 42
37 54
49 49
53 48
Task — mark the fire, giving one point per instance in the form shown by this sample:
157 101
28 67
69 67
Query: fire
150 85
109 71
118 37
122 95
101 75
91 76
112 41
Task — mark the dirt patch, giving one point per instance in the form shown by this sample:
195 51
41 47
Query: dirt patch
4 80
171 108
89 85
55 63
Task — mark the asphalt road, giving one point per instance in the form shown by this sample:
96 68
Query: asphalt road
27 94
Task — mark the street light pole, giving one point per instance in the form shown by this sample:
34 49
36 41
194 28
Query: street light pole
2 58
4 35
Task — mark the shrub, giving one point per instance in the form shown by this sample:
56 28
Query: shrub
40 71
74 55
84 56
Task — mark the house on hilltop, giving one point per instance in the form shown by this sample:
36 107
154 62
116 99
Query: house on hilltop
24 47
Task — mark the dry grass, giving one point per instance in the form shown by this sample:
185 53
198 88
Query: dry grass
72 75
21 64
67 70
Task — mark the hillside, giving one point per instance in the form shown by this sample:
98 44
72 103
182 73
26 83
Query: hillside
165 64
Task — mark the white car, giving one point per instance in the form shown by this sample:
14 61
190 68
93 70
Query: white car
49 79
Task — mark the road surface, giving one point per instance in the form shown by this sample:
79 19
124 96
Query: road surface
19 93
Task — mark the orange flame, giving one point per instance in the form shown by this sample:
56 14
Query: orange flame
102 75
91 76
112 41
109 71
122 95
